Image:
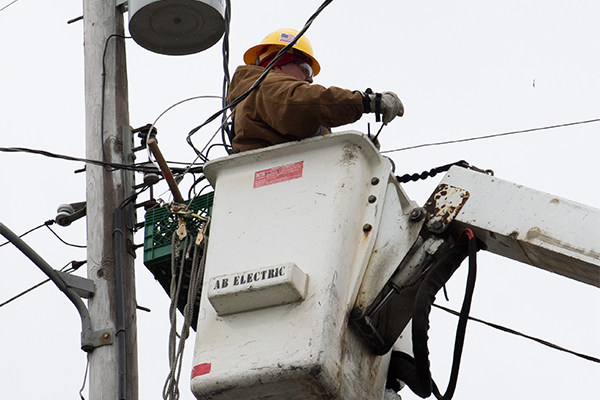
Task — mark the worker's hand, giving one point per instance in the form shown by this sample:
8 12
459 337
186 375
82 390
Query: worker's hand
391 106
387 104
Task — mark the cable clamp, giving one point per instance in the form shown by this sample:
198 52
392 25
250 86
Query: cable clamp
93 339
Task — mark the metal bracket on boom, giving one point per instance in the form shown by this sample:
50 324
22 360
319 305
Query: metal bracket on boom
443 206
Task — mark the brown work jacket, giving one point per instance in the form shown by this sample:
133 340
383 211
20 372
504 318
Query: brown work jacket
283 108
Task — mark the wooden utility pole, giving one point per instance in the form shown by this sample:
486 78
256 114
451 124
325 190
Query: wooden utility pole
112 376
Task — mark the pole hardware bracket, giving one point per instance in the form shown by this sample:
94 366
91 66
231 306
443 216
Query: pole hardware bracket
73 287
68 213
84 287
124 4
93 339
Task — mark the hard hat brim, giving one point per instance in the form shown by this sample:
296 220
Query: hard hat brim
255 51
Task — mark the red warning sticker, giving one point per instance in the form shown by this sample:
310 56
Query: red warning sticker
278 174
201 369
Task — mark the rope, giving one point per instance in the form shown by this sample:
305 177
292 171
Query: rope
171 389
176 349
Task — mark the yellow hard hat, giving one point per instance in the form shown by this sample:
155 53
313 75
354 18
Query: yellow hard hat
276 41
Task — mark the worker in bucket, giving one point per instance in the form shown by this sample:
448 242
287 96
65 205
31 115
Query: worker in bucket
286 106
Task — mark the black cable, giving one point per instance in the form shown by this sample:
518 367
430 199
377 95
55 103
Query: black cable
68 158
104 89
491 136
517 333
87 366
75 265
437 276
141 167
133 197
50 222
459 340
196 182
202 190
24 292
200 154
68 244
260 78
415 371
47 225
9 4
225 133
226 146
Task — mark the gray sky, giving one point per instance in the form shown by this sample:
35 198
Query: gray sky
462 68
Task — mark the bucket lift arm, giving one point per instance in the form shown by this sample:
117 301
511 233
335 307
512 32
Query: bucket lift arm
533 227
510 220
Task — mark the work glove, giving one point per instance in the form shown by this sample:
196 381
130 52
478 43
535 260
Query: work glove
386 105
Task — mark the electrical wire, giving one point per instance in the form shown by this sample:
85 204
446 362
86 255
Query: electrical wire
74 267
202 190
104 89
225 133
261 77
514 332
152 160
50 222
206 146
47 225
134 196
190 166
491 136
68 244
202 155
225 145
9 4
141 167
64 157
24 292
193 187
87 366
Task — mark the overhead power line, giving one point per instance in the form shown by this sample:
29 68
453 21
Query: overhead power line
491 136
68 158
142 168
47 225
74 266
134 167
9 4
79 246
514 332
49 222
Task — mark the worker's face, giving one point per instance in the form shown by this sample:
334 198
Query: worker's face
297 71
